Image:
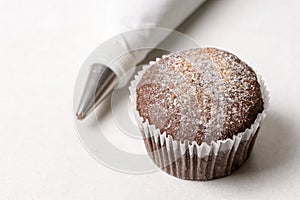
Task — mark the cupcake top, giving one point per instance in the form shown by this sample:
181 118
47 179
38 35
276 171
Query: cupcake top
201 95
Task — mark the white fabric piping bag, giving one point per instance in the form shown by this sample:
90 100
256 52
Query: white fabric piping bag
131 25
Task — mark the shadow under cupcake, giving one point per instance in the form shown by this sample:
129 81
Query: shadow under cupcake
199 111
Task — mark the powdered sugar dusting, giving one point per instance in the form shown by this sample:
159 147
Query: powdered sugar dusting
198 94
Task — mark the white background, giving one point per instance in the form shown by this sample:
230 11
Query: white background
44 43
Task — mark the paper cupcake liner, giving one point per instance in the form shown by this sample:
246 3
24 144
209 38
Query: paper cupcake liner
188 160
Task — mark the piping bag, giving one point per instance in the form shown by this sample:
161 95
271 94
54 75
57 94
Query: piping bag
133 28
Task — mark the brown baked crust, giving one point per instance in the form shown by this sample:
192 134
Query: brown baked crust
201 95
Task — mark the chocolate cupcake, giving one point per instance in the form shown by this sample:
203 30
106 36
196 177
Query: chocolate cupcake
199 111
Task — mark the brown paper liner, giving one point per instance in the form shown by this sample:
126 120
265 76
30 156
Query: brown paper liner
192 167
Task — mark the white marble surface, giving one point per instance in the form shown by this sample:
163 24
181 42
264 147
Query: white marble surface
42 46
